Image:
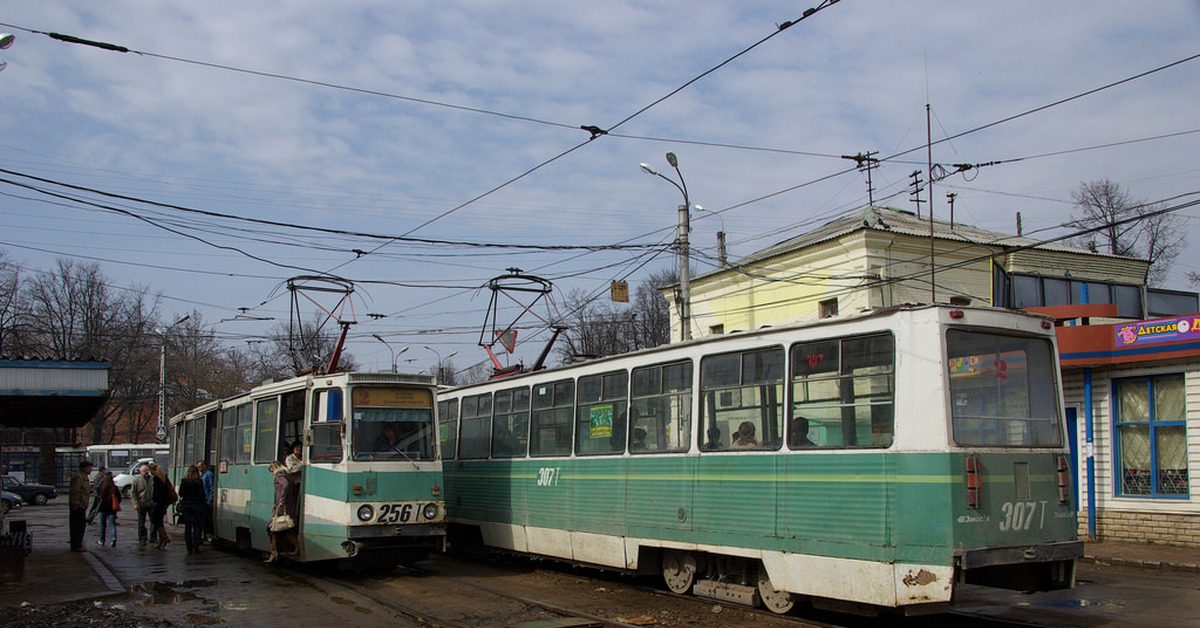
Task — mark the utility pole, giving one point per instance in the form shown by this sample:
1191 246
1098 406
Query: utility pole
867 162
917 188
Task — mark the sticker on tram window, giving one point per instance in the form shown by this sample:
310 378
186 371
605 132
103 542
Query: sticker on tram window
601 422
395 513
1017 516
548 476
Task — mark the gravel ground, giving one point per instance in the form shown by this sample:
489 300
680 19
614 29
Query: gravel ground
77 614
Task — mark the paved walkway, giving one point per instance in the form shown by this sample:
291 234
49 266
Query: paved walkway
54 574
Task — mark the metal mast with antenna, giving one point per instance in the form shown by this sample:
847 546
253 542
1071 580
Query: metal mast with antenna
866 162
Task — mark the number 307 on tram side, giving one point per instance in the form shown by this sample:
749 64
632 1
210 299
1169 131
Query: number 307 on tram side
370 487
872 461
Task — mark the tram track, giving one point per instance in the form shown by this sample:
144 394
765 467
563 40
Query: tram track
455 592
539 611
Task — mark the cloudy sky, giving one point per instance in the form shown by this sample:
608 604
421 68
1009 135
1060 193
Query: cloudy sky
458 123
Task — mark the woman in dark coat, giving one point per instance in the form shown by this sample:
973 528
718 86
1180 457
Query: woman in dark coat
162 501
283 505
193 504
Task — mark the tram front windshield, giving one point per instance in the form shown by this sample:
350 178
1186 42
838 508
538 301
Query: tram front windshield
393 423
1003 390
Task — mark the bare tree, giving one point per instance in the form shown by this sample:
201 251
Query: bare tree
1155 238
289 352
200 369
73 314
599 329
10 308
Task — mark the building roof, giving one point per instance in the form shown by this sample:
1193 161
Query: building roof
51 393
891 220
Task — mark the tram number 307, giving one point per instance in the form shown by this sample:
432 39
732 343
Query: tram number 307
548 476
1018 516
395 513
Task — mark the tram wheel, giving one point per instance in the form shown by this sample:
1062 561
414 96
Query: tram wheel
679 571
776 601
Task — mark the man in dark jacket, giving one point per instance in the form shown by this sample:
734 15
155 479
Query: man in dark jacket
81 493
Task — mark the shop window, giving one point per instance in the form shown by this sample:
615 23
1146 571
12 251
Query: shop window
1151 436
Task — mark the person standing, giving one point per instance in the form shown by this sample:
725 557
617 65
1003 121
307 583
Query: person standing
192 505
164 496
142 492
95 479
282 540
210 487
79 496
110 505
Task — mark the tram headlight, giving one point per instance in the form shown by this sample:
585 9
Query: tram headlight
366 512
430 512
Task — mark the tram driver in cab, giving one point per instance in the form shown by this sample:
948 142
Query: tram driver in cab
388 441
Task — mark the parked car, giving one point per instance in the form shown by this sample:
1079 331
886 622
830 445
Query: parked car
9 501
124 479
37 494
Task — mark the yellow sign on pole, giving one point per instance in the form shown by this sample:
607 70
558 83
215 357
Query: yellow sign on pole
620 292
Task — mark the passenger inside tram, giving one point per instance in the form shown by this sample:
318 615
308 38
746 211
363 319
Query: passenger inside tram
745 436
798 435
714 439
639 440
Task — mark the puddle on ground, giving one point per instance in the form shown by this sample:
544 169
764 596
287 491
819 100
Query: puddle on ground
168 593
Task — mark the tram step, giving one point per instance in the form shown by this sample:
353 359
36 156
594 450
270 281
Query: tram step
726 592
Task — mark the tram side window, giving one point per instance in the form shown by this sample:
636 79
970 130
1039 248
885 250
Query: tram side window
661 408
228 434
1003 390
743 399
448 428
328 411
476 419
843 393
603 407
291 411
193 441
244 433
266 418
510 425
550 420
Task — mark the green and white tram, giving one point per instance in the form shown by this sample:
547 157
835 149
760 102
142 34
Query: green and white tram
865 462
364 501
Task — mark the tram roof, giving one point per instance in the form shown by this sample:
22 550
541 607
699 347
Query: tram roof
768 330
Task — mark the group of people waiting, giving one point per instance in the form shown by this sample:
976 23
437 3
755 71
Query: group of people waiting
152 495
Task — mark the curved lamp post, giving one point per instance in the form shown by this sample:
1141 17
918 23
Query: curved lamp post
160 434
394 353
439 362
685 290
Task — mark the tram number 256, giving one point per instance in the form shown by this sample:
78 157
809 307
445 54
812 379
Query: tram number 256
395 513
548 476
1016 516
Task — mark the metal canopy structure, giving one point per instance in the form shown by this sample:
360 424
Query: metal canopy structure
51 393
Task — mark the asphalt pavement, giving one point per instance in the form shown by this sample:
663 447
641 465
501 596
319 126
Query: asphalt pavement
53 574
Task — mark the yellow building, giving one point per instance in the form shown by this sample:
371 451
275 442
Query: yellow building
879 257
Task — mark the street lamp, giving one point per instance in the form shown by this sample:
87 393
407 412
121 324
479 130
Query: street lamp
439 357
722 257
394 354
685 290
160 434
6 42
